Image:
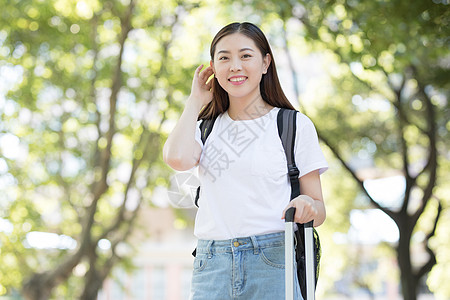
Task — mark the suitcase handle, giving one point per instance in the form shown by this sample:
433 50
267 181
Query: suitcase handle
289 217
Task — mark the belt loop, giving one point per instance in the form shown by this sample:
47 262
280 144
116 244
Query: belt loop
208 248
255 245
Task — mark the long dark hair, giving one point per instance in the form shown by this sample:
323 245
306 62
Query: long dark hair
270 87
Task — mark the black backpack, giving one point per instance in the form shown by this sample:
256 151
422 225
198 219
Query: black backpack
287 124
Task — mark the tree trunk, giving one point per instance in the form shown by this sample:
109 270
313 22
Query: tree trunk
37 288
40 285
93 285
407 277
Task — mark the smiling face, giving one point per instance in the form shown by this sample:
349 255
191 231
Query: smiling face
239 65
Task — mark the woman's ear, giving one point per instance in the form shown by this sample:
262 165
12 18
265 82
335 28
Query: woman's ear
266 63
211 63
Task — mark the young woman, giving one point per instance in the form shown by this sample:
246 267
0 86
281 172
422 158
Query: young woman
242 169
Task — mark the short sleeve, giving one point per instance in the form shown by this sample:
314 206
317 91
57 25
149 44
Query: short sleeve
308 154
198 134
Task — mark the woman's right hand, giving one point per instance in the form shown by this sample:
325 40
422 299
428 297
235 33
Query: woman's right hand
181 151
201 92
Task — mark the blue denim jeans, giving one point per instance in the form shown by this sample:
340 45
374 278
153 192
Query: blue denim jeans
250 268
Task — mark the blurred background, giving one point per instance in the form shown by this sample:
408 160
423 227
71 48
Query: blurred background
89 91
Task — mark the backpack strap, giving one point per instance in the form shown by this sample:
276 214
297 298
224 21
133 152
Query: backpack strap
287 124
206 127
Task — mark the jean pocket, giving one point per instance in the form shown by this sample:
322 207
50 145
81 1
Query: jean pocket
200 263
273 256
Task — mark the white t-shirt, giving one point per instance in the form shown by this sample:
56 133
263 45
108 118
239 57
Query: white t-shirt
243 175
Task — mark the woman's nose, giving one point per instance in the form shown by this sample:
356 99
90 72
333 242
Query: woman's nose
236 65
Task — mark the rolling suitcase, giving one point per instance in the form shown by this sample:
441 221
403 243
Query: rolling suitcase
290 256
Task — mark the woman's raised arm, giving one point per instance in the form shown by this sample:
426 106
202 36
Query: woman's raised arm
181 151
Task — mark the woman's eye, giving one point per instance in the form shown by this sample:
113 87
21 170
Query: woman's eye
223 58
246 56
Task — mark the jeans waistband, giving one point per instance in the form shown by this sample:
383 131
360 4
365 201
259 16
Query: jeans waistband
240 244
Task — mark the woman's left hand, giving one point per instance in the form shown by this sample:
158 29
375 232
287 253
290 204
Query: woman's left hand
305 210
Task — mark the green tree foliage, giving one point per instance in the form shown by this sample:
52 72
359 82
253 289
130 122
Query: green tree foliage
96 83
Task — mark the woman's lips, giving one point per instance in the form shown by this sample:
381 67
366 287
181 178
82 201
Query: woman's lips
237 80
